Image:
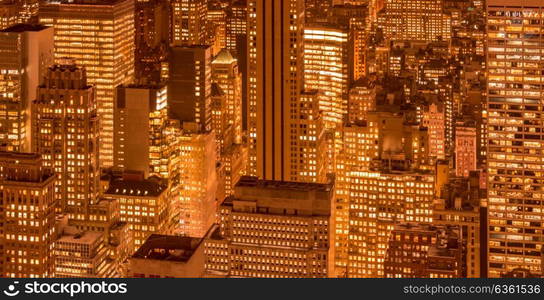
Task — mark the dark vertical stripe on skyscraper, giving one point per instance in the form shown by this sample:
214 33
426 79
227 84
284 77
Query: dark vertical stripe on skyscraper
273 25
263 83
282 175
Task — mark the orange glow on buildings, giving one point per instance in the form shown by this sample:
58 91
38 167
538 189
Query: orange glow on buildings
271 138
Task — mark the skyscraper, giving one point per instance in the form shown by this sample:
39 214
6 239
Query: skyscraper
189 85
308 148
226 74
274 83
99 35
465 149
27 216
273 229
143 204
216 28
17 12
140 121
227 115
27 51
326 69
188 22
236 28
65 131
361 100
9 11
380 200
193 165
423 251
152 39
434 119
417 20
515 133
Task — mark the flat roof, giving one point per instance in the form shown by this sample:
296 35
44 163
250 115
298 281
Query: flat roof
283 185
168 248
87 237
86 2
135 188
24 27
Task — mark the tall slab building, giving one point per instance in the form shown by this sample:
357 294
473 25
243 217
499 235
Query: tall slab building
65 132
275 30
27 51
99 35
188 22
27 216
515 135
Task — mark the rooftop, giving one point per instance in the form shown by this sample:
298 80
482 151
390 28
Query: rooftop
87 2
282 185
168 248
144 188
24 27
87 237
252 195
224 57
5 155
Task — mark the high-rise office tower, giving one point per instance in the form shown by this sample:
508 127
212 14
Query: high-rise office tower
226 74
416 20
380 199
308 144
317 9
326 69
220 126
360 146
17 12
236 43
65 132
151 23
99 35
384 185
140 144
361 99
27 216
188 22
189 85
231 153
27 51
193 168
273 229
465 148
216 28
434 120
460 204
423 251
354 17
9 14
515 157
152 39
275 62
143 205
236 27
234 159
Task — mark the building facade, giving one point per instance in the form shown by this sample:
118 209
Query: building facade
108 58
27 216
514 136
273 229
